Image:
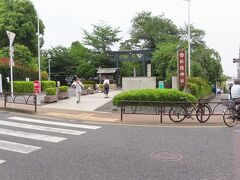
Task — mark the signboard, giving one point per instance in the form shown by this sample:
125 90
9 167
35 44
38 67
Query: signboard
181 68
149 69
160 84
36 86
11 37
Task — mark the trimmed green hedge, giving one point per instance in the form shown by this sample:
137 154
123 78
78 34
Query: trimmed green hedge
47 84
50 91
22 86
153 95
27 86
63 88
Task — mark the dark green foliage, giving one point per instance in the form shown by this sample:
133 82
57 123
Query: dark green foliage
47 84
22 55
198 87
20 17
63 88
86 71
23 86
102 37
148 30
50 91
153 95
19 73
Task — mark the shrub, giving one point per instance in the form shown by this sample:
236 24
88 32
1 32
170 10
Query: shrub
63 88
198 87
89 83
153 95
87 86
100 87
47 84
193 89
44 75
23 86
50 91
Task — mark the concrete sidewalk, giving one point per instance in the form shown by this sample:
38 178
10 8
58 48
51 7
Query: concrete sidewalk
96 108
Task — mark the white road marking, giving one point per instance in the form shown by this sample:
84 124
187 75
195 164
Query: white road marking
17 147
55 123
27 135
2 161
41 128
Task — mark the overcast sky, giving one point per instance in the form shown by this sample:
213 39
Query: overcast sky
220 19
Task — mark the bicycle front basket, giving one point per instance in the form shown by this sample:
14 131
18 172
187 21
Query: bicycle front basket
228 102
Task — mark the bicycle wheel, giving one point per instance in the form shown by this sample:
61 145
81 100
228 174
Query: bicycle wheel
230 117
203 113
177 114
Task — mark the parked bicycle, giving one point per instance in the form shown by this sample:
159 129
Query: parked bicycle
185 109
231 115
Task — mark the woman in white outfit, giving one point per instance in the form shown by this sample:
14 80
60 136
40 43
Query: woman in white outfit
78 87
106 87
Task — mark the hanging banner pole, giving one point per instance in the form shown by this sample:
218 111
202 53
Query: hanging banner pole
11 37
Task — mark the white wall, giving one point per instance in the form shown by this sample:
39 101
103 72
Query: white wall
132 83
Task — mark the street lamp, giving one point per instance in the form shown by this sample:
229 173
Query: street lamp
49 68
189 39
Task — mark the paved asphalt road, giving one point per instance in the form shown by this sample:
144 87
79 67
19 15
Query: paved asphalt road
115 152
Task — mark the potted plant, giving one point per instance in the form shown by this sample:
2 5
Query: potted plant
50 95
89 88
62 92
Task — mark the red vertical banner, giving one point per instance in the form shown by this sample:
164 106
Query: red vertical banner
181 65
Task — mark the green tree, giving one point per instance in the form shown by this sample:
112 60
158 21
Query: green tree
102 37
210 62
86 70
20 17
197 36
22 55
164 59
78 53
148 30
61 62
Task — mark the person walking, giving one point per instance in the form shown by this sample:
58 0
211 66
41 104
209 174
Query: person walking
78 88
106 87
235 91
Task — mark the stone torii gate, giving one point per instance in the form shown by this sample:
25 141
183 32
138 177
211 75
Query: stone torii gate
143 55
235 60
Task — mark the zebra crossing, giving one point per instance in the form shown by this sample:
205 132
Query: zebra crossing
25 124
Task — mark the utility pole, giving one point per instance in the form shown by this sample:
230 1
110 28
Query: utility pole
235 60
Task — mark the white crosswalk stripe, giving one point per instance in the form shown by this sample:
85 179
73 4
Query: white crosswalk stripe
17 147
23 124
2 161
28 135
54 123
42 128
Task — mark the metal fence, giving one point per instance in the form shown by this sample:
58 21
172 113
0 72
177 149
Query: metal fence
203 110
20 98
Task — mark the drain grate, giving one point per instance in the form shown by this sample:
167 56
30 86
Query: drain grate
167 156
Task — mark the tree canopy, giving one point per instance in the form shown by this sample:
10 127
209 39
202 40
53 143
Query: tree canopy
19 17
102 37
148 30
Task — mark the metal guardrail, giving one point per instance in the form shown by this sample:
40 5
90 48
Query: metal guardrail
21 98
162 108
